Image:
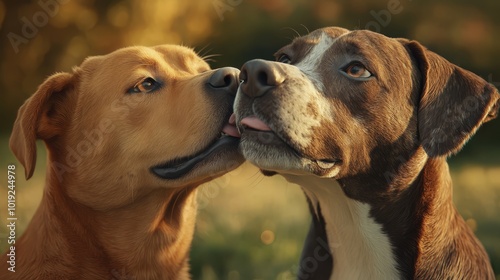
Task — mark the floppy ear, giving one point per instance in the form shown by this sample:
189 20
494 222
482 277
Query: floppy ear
39 117
453 103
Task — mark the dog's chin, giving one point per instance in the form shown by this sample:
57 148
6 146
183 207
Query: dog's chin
217 158
272 155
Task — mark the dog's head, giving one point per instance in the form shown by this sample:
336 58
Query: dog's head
131 121
338 103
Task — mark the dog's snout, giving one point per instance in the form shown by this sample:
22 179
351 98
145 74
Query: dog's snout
225 78
259 76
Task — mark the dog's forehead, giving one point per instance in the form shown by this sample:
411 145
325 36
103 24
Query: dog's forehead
313 38
181 54
168 56
302 46
316 52
315 44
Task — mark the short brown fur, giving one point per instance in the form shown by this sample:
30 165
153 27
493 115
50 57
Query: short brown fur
103 214
382 139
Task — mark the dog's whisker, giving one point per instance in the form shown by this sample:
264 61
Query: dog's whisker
256 179
178 195
204 50
294 31
305 27
131 191
208 58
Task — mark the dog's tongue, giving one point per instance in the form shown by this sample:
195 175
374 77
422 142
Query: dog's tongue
252 122
230 128
255 123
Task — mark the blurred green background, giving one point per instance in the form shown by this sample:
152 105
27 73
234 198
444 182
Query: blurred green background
249 226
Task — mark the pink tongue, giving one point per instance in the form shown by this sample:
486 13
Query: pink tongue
230 128
255 123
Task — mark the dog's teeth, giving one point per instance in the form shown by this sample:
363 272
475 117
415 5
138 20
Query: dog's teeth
325 164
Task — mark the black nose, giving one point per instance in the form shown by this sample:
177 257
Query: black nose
259 76
225 78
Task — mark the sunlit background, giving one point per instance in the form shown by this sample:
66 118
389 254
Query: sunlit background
249 226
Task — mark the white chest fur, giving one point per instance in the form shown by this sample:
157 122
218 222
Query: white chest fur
360 248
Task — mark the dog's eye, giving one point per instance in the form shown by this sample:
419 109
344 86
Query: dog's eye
283 58
357 70
146 85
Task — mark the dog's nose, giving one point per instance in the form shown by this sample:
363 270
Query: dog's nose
258 76
225 78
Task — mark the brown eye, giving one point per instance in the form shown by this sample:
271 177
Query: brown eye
146 85
357 70
283 58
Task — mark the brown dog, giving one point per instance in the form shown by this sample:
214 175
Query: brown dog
130 136
379 116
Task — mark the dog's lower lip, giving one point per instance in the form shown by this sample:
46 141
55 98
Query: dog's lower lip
179 167
263 137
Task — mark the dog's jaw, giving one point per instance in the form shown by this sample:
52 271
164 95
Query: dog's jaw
280 157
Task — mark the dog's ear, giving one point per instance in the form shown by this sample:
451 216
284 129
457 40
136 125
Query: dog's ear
40 117
453 103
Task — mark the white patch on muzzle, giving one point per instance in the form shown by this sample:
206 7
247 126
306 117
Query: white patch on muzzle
306 89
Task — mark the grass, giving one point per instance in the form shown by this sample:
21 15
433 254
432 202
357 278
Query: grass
251 227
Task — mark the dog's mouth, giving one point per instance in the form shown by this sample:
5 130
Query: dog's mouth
260 132
174 169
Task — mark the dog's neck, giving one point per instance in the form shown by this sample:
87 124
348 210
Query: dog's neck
147 237
358 246
393 236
